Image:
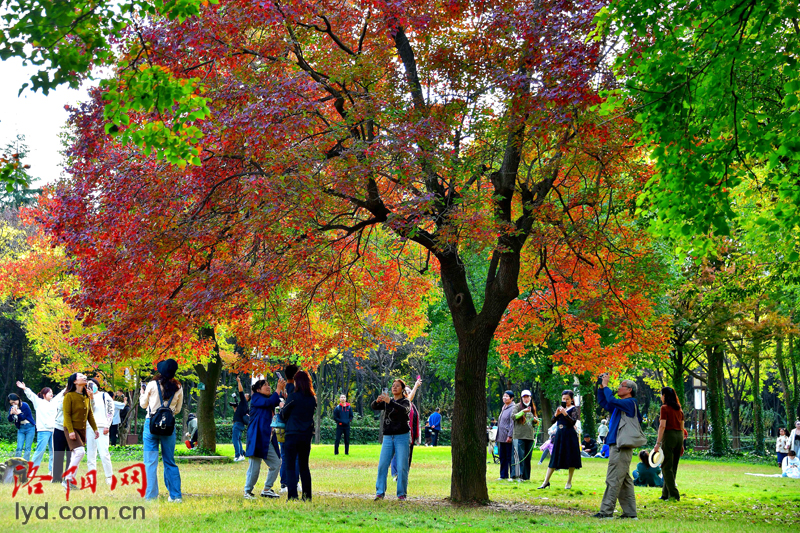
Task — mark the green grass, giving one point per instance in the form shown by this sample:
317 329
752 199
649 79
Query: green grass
716 497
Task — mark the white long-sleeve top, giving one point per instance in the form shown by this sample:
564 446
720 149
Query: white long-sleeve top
45 411
149 399
103 409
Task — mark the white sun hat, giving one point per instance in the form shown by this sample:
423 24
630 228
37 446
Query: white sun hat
526 392
656 458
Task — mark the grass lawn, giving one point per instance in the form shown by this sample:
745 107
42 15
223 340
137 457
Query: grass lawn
716 496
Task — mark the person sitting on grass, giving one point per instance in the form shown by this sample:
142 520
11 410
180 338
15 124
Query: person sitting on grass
647 475
588 446
791 465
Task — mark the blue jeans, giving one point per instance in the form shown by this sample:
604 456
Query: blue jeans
238 428
172 476
43 441
393 445
25 435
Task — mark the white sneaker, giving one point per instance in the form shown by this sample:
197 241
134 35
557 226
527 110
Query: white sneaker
176 500
394 478
249 496
269 494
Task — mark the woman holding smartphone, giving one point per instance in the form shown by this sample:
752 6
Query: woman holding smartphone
524 421
566 454
396 434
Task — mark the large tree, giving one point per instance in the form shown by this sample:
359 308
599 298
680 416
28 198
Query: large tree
349 148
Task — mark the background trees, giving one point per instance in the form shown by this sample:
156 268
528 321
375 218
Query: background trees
331 183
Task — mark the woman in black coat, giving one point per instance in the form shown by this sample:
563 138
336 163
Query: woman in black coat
566 453
298 414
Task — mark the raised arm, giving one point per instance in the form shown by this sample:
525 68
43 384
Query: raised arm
30 395
414 390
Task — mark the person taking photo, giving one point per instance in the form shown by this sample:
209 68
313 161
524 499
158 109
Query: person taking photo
619 483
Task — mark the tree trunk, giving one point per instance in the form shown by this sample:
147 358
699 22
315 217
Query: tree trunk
468 480
209 376
758 407
187 400
547 410
716 401
588 406
676 377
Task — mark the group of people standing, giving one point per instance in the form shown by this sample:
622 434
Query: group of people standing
515 435
60 426
82 421
515 438
296 401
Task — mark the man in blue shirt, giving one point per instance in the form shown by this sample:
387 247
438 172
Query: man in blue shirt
435 426
619 484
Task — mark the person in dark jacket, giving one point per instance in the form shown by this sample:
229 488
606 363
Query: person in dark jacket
588 446
261 442
298 414
288 371
342 415
505 436
239 421
396 434
21 416
413 423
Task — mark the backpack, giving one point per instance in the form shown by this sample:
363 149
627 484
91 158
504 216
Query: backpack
162 422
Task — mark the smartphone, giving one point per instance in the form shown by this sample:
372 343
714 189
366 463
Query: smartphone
385 391
564 404
279 376
419 377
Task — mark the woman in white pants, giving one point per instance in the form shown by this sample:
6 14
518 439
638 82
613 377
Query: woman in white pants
77 409
45 406
103 408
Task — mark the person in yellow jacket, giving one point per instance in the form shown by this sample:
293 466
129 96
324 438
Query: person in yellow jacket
77 408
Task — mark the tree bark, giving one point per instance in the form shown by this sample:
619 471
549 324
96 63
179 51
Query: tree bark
468 481
588 406
758 407
678 371
716 402
209 376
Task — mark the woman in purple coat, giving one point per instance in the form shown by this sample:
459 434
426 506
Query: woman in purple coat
261 443
505 436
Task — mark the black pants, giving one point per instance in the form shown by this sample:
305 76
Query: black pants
434 437
342 429
506 450
297 449
60 453
113 434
